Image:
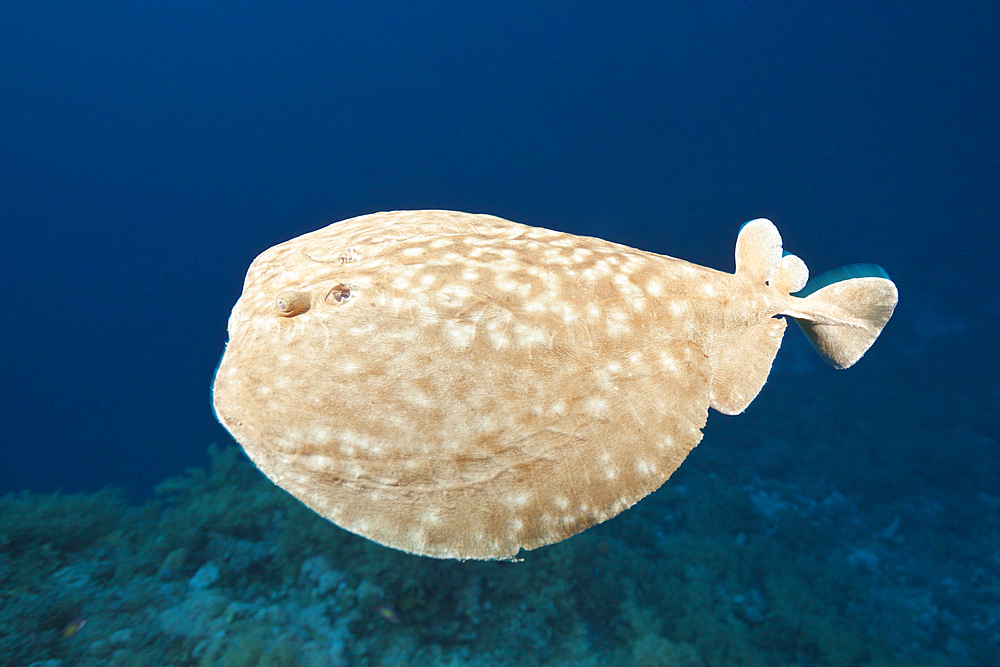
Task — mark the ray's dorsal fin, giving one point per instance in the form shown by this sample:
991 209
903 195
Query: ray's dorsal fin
792 274
742 357
758 250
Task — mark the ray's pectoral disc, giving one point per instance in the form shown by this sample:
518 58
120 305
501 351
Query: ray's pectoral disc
461 386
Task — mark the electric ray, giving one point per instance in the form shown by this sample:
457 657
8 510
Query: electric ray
462 386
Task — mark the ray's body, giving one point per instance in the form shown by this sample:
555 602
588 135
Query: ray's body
462 386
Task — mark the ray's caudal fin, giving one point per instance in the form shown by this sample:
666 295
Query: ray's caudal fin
859 300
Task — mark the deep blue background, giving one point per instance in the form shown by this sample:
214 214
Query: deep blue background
151 150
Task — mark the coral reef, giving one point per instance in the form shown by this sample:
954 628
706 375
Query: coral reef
224 569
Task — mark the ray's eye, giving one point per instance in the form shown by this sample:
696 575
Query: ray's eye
290 304
337 294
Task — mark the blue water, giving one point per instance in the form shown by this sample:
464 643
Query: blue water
151 150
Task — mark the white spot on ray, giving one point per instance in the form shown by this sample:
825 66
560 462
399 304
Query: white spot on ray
596 406
518 499
506 284
617 328
528 336
460 333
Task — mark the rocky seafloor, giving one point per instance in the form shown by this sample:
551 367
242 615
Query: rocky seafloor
781 541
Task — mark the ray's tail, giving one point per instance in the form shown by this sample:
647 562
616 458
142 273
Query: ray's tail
847 309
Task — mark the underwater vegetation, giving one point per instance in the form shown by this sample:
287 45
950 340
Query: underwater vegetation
714 570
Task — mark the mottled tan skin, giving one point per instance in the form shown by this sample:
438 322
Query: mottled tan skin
462 386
